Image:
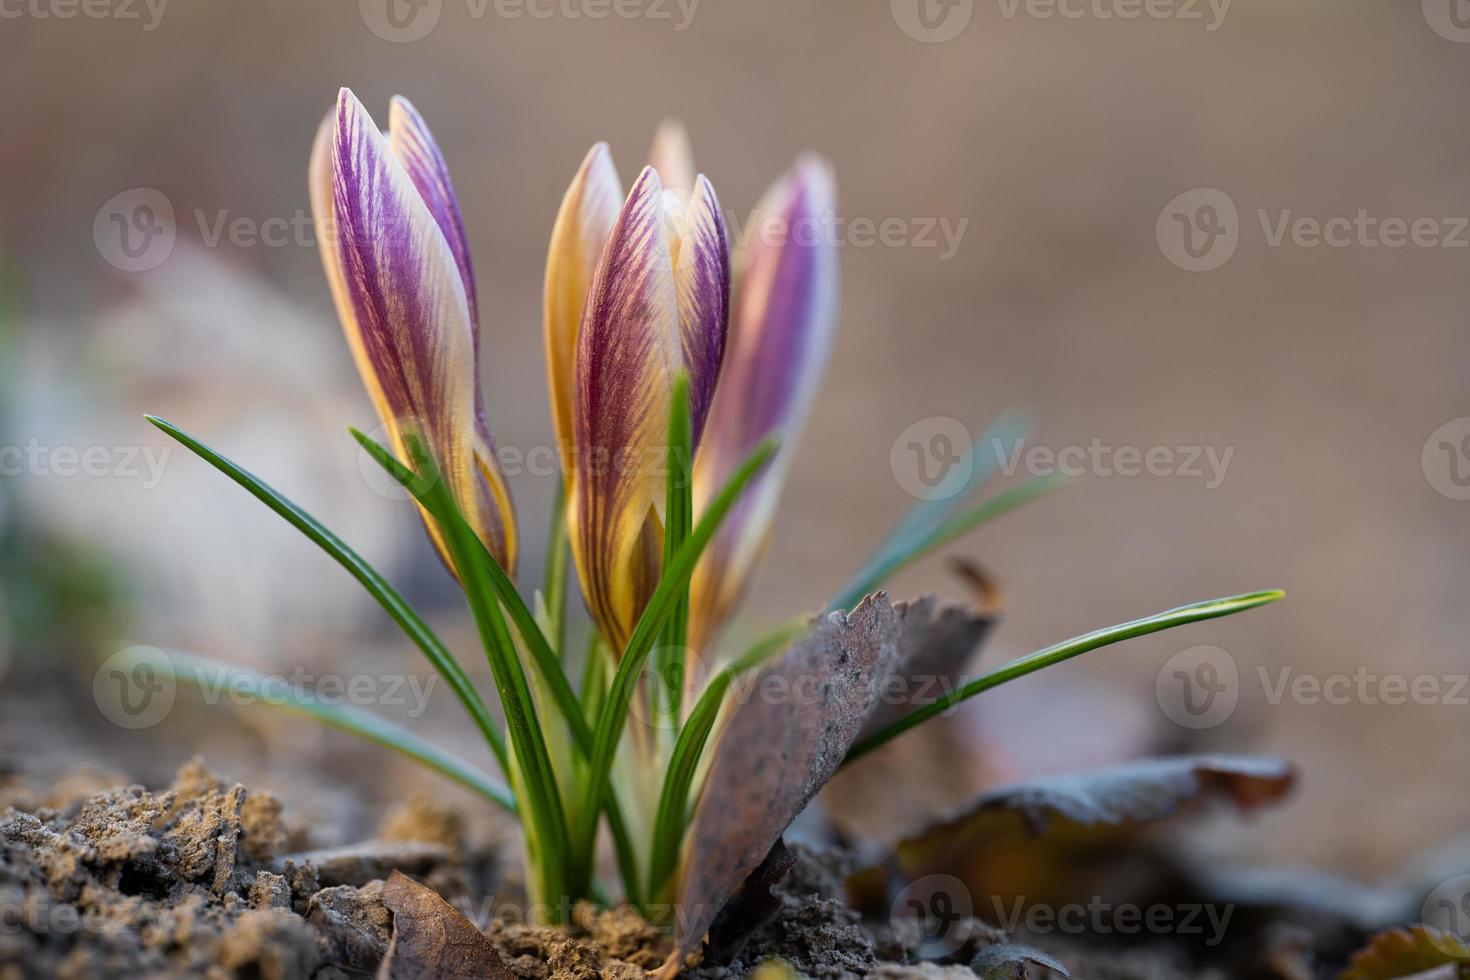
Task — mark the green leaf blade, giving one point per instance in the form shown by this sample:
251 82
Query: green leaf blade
1066 650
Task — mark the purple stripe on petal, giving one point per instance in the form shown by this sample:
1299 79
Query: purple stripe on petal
414 146
702 275
402 300
783 314
627 353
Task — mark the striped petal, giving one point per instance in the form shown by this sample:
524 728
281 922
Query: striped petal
588 211
398 277
701 256
783 315
415 148
628 353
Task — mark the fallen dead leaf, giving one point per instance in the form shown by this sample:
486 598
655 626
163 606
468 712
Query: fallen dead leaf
783 741
1418 949
431 939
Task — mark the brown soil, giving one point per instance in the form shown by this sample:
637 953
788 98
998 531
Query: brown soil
209 879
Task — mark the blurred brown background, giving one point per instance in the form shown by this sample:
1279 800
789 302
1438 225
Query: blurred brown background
1057 141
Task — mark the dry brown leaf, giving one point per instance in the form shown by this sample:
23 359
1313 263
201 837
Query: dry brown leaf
790 732
936 642
1126 794
1405 952
1007 961
431 939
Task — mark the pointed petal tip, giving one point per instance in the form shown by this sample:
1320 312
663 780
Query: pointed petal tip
672 154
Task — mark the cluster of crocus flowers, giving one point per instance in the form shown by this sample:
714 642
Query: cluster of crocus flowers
638 293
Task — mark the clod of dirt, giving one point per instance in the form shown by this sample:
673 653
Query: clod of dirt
354 924
134 884
613 943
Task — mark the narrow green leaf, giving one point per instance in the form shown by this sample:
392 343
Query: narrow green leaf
942 534
985 459
676 574
667 687
548 664
239 681
673 804
394 604
555 584
541 803
1066 650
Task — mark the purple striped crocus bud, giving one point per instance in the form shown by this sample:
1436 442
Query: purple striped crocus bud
394 247
657 306
783 317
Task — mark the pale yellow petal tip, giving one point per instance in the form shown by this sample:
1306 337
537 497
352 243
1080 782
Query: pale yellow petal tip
672 155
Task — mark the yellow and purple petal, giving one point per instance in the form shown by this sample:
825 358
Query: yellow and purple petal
702 276
399 280
628 353
783 315
583 224
672 156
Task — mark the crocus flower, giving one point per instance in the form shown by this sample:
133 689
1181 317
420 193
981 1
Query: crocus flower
396 257
655 273
783 315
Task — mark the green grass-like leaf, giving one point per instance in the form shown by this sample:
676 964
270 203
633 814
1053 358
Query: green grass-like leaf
684 762
667 688
544 817
190 669
675 579
394 604
922 543
1066 650
548 664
